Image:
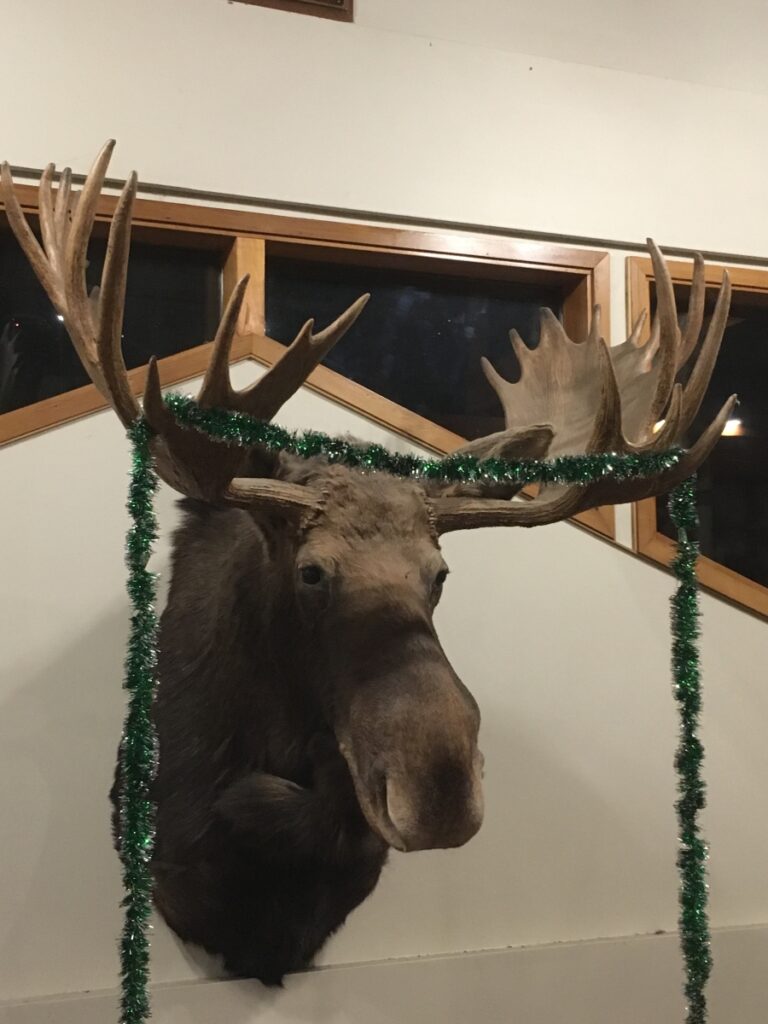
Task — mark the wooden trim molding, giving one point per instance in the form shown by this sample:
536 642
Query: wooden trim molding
647 540
247 256
716 578
338 10
160 221
32 419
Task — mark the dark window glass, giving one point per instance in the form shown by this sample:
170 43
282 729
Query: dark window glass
172 303
733 483
420 338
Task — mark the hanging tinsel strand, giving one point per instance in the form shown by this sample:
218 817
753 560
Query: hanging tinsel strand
692 854
138 748
139 752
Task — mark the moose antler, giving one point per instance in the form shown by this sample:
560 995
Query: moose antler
571 398
186 459
593 398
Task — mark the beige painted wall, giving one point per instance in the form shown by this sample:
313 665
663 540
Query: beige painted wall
397 114
562 638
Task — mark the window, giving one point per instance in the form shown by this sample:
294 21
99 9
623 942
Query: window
339 10
733 483
173 302
176 277
440 300
422 335
418 370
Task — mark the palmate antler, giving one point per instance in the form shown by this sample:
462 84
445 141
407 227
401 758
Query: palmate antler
589 398
571 398
187 460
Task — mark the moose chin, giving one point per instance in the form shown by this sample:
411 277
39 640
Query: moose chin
308 719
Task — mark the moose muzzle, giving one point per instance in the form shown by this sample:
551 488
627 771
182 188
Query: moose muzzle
410 741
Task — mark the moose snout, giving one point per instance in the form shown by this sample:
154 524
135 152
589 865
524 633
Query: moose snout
439 807
410 739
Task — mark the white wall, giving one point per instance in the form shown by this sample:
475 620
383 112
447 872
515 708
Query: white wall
238 99
634 981
562 638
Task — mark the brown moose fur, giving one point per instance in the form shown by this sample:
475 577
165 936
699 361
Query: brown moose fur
267 834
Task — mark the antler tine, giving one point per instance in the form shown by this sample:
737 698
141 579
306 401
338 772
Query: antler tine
595 328
504 390
606 433
637 329
111 306
610 492
63 209
26 238
698 382
670 430
695 316
48 220
666 358
79 313
216 391
264 398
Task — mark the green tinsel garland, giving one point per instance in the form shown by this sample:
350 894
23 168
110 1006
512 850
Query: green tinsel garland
692 855
139 751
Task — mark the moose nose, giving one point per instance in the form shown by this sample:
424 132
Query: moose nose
438 815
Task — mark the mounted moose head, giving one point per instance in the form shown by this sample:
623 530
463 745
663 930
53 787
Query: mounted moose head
308 718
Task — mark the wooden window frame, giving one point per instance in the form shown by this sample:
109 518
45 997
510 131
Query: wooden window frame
343 11
245 240
647 540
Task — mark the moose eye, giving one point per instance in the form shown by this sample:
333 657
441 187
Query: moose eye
440 579
311 575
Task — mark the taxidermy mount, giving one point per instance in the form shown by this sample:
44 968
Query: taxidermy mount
308 718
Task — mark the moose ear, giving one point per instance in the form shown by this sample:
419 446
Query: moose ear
278 506
531 443
259 462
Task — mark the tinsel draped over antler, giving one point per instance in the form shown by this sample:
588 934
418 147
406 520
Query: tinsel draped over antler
594 398
572 397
